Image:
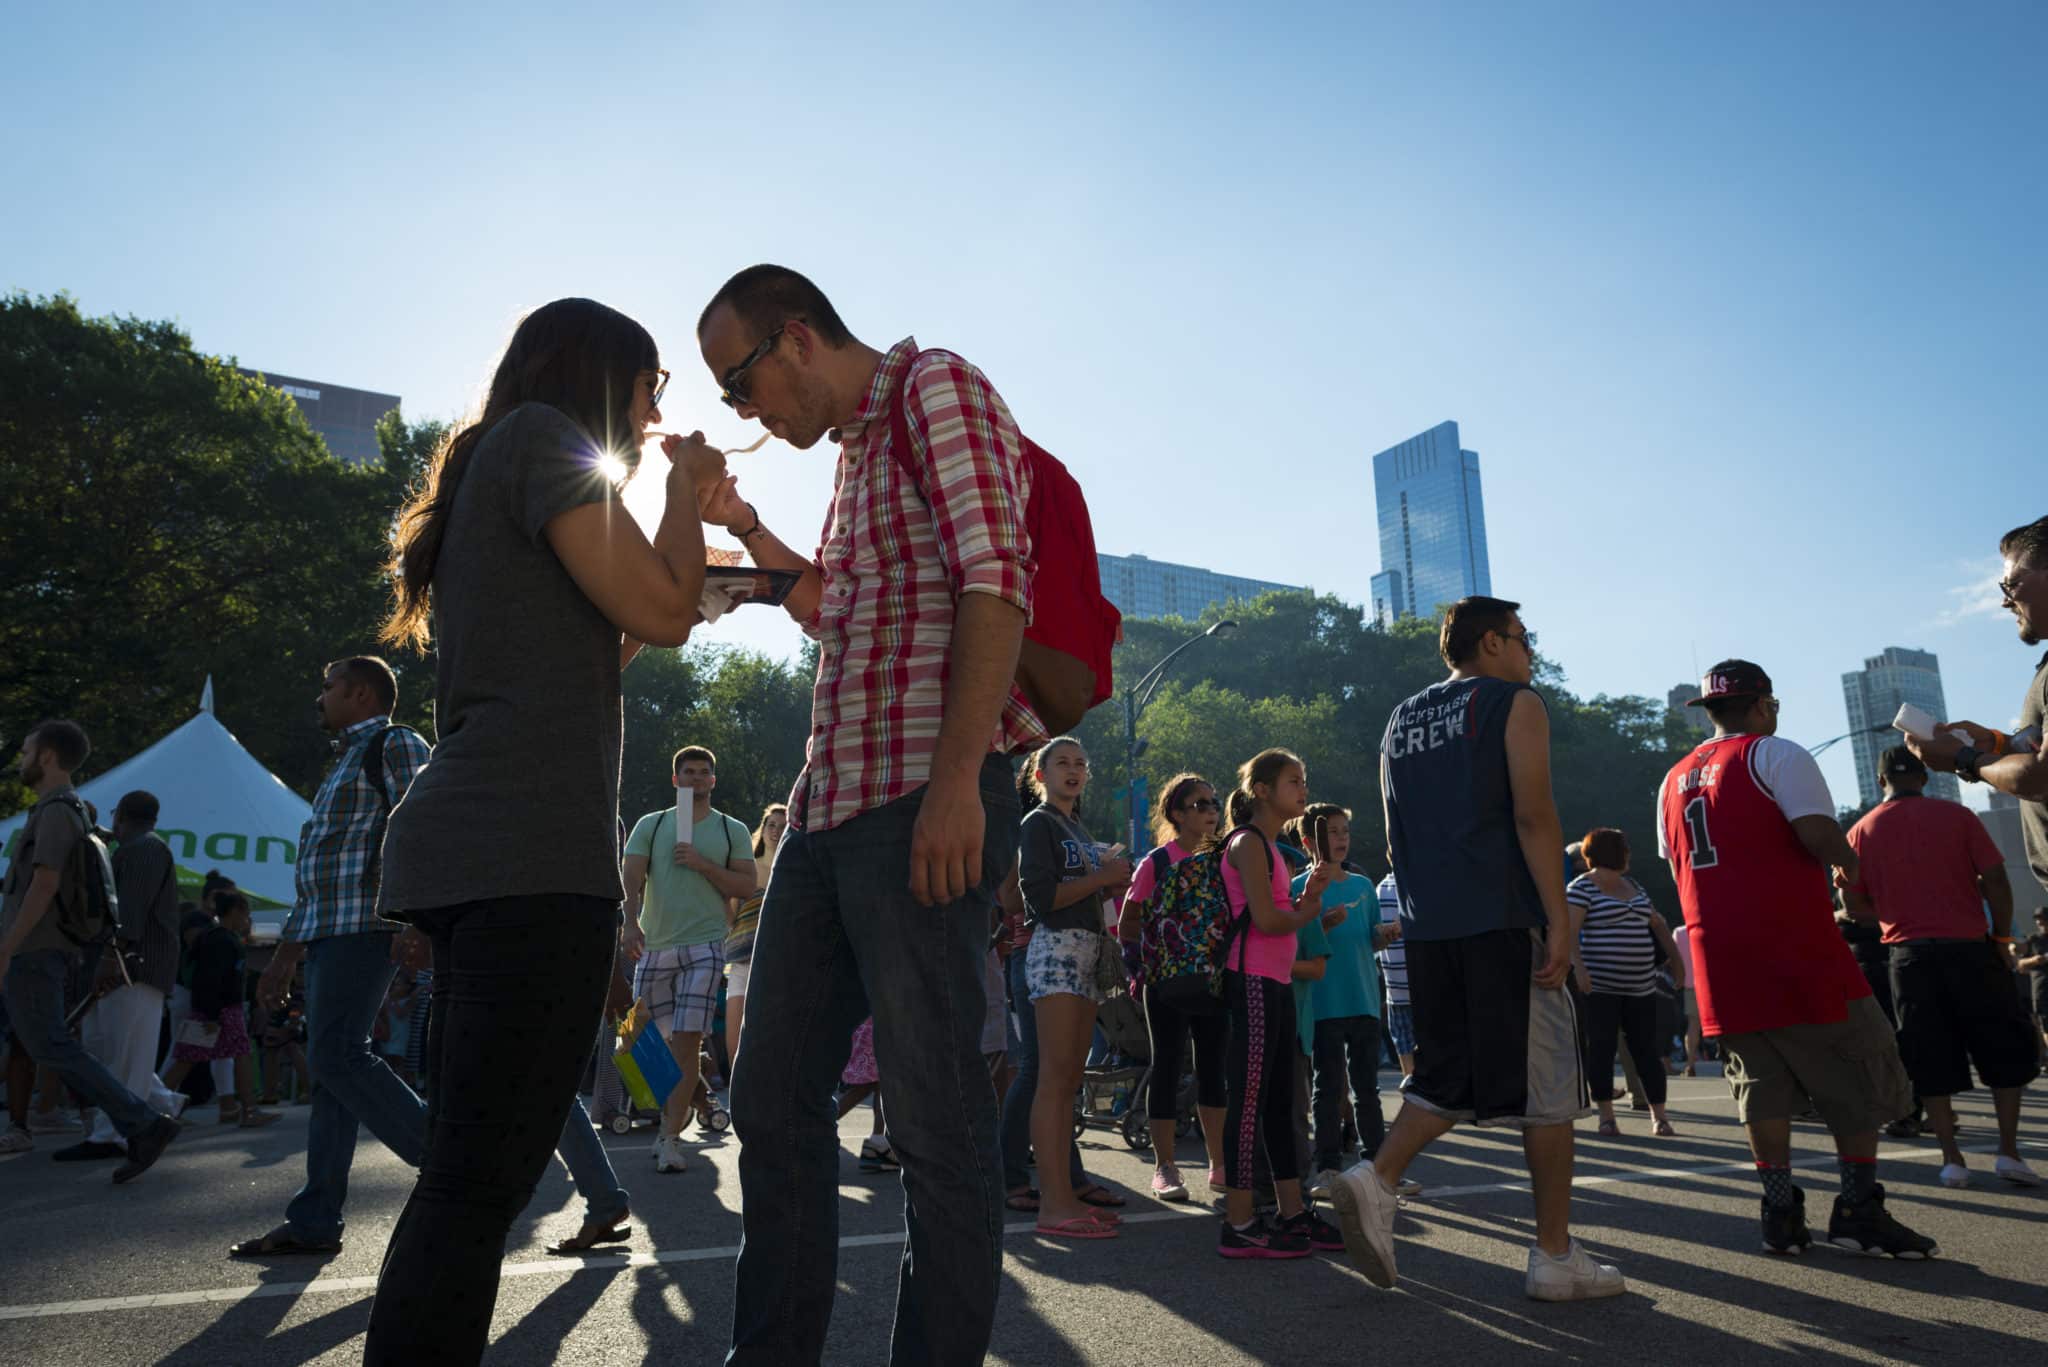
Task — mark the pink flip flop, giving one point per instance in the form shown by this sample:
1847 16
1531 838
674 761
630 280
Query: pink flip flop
1080 1227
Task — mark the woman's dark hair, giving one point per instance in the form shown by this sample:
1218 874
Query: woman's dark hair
1604 848
229 901
761 831
574 355
1172 798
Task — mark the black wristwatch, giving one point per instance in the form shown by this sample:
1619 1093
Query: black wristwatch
1967 760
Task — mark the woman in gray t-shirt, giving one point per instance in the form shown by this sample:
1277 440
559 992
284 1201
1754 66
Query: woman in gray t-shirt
537 586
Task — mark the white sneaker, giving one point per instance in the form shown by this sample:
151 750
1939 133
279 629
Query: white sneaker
1574 1277
1365 1208
670 1156
2017 1172
59 1121
1320 1185
16 1140
1955 1175
1407 1187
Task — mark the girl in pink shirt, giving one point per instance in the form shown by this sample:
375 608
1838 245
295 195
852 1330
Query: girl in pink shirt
1272 790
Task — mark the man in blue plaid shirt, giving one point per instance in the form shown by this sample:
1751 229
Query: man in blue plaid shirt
350 955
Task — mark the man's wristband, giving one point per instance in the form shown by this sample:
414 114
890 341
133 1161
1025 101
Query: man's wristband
1967 760
754 530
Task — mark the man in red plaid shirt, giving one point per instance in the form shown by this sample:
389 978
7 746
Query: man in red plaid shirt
902 825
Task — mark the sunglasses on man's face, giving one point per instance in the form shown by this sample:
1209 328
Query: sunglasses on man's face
733 388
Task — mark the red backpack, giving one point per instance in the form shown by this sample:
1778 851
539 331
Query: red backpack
1064 668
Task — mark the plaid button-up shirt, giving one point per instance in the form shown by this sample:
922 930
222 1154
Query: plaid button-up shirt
339 848
895 559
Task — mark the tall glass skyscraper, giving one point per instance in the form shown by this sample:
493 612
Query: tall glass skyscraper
1874 694
1432 525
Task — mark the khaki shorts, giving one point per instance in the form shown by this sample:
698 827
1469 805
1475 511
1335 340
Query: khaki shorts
1848 1071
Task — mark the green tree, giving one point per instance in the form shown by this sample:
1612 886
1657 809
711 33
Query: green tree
752 711
170 519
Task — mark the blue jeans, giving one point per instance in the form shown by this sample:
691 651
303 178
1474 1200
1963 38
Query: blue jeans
346 979
1347 1050
35 1009
840 939
1023 1086
590 1167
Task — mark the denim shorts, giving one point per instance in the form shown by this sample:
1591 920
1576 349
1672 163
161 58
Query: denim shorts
1062 963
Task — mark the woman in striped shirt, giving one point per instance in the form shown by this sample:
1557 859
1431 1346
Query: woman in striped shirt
1620 934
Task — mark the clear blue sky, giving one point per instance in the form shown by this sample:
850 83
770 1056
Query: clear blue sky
1740 304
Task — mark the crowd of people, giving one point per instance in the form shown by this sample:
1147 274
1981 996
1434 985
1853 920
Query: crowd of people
918 926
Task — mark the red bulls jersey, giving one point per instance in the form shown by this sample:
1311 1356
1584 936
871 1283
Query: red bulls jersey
1765 950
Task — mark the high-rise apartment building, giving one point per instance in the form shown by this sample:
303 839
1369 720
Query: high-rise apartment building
345 418
1143 587
1679 701
1432 525
1874 694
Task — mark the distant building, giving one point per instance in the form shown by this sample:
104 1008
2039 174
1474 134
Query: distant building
1695 718
1874 695
345 418
1432 524
1143 587
2027 892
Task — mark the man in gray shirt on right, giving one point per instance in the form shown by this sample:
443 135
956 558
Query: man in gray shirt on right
121 1029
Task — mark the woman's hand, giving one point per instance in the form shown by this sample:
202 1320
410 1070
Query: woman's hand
694 465
1115 872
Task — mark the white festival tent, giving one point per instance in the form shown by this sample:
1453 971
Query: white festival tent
221 809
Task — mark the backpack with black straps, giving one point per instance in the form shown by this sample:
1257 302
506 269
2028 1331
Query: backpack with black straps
373 774
1187 929
1064 666
87 910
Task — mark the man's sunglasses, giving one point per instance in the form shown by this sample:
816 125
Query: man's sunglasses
733 384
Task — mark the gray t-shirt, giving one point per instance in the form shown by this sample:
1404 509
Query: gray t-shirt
145 879
2034 815
1055 849
53 828
522 794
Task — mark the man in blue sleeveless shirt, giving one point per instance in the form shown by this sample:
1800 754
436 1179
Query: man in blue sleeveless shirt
1473 834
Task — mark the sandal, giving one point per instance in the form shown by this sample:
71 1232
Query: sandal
1082 1227
1025 1200
1662 1129
1099 1195
1609 1130
279 1243
253 1119
594 1233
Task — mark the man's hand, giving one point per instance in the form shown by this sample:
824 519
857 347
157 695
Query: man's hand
1583 979
1556 964
945 844
411 949
107 976
270 987
1981 737
633 940
1937 751
688 858
722 506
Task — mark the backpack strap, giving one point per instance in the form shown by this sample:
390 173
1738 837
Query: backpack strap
1238 924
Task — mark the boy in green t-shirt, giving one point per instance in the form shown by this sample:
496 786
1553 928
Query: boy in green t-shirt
679 897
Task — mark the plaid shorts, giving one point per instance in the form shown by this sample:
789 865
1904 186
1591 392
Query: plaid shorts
680 986
1401 1027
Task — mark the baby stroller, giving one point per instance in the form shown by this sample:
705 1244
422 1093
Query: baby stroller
1113 1093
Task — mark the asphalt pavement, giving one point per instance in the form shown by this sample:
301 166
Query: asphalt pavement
108 1276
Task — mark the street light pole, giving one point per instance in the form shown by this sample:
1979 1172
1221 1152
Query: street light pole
1136 697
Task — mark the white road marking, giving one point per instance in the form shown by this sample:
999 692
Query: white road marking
228 1295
